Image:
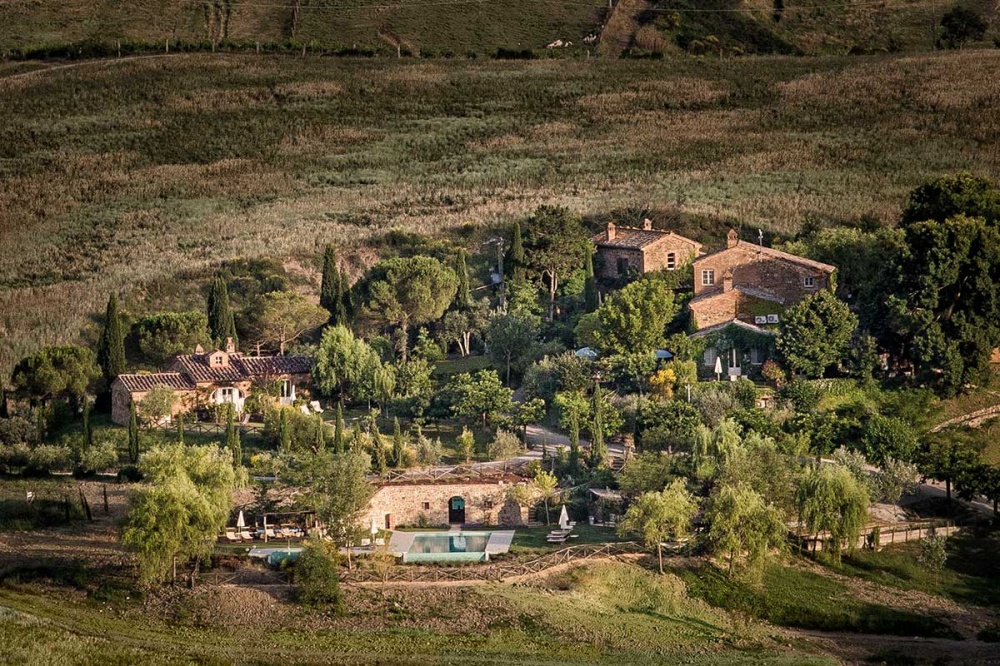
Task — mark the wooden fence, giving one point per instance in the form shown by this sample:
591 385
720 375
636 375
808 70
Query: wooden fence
207 427
492 572
875 537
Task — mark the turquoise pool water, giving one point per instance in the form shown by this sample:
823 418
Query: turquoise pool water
448 547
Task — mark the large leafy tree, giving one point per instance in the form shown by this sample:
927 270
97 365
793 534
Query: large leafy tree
220 317
346 366
555 243
280 317
181 510
481 396
946 456
111 346
658 516
55 372
634 320
460 326
815 333
948 301
408 291
511 341
163 336
335 486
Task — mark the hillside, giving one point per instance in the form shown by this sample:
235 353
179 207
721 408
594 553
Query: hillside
140 175
463 27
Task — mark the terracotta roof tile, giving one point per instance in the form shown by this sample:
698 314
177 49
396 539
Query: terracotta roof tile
240 367
143 383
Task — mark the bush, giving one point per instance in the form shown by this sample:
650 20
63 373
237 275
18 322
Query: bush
99 458
18 430
933 552
505 445
802 395
317 577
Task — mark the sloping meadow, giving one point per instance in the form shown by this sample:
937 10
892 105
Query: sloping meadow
118 174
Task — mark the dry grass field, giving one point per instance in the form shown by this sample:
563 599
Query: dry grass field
141 175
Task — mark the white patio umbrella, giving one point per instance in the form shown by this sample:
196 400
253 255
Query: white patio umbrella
718 367
241 522
564 519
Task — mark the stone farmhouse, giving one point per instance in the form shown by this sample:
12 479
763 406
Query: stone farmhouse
222 376
748 286
626 251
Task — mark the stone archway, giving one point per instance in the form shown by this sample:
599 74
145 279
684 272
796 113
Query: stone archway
456 510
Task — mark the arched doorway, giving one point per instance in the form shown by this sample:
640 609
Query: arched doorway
456 510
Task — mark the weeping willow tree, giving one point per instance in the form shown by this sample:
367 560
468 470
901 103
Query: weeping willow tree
176 516
832 502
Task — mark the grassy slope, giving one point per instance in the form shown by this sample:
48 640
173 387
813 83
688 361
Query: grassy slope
139 176
424 24
604 614
460 26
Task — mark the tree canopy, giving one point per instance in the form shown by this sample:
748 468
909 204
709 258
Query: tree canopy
815 333
346 366
111 346
408 291
55 372
554 244
280 317
634 319
165 335
658 516
948 300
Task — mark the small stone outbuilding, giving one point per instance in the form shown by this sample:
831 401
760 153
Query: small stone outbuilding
624 252
441 504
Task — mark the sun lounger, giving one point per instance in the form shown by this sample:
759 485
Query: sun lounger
315 406
232 536
557 538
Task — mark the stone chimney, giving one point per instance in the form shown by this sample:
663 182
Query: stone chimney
198 349
732 238
647 224
611 232
230 346
727 281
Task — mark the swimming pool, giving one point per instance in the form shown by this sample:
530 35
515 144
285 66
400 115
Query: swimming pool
455 547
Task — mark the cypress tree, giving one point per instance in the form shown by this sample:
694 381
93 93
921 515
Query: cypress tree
284 434
463 297
320 442
598 449
398 444
590 284
233 438
574 445
517 260
330 291
3 402
378 450
338 429
133 434
345 305
88 431
111 347
220 318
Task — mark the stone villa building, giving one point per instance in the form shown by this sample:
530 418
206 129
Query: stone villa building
749 286
626 251
455 502
204 378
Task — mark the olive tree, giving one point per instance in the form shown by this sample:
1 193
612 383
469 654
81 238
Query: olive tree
658 516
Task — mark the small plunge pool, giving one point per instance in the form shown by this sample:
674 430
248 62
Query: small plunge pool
456 547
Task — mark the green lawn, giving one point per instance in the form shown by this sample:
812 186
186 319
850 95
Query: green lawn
793 597
970 575
532 540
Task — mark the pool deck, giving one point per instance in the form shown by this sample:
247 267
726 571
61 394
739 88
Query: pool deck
499 541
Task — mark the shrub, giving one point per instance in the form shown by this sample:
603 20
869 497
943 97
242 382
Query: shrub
99 458
803 396
317 579
505 445
130 473
18 430
933 552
